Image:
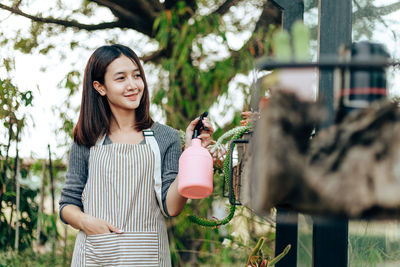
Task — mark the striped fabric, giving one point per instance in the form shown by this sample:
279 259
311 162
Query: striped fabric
135 249
120 190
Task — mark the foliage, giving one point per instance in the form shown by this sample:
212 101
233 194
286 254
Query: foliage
368 15
65 128
237 133
29 258
256 258
192 77
13 105
11 102
193 83
196 77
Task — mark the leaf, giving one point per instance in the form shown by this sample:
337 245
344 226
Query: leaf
27 97
159 95
282 48
255 250
280 256
157 21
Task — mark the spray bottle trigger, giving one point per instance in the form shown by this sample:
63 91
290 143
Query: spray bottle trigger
200 126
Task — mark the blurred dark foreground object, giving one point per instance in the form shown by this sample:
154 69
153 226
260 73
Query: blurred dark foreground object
351 169
360 86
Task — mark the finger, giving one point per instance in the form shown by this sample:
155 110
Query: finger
205 143
206 120
204 136
208 129
207 124
114 229
192 124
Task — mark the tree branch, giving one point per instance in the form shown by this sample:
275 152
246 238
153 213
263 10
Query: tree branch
386 10
146 7
154 57
224 8
271 14
137 8
137 14
375 12
65 23
117 9
157 5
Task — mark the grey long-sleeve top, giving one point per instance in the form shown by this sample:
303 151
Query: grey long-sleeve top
170 149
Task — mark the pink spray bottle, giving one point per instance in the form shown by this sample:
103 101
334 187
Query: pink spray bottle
196 168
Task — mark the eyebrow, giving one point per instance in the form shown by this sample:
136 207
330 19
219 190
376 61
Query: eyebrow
123 72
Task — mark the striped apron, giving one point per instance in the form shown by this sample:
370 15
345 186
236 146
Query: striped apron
124 189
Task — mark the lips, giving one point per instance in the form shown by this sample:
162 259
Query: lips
132 97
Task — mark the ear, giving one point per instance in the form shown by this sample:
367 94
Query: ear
99 88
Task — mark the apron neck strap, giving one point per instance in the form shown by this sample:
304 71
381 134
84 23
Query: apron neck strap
100 140
151 140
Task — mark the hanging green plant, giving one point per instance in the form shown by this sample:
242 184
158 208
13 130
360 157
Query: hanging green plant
237 133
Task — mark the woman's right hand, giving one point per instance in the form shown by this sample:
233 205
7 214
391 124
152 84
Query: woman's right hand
95 226
73 215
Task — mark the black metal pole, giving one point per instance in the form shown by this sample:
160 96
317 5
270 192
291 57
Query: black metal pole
334 31
330 236
286 221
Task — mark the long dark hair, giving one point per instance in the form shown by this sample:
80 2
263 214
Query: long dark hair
95 115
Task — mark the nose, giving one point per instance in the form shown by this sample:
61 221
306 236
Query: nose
132 83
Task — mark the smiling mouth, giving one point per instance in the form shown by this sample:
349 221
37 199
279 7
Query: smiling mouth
132 97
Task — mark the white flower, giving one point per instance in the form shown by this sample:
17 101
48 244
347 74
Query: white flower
227 242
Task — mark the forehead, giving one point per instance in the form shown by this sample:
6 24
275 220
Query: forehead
122 64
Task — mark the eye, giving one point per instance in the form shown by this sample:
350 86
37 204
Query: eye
120 78
137 75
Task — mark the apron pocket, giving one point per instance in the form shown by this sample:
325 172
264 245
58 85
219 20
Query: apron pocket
130 249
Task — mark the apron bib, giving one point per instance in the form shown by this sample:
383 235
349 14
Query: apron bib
124 189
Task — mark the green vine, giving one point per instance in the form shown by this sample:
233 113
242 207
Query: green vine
215 222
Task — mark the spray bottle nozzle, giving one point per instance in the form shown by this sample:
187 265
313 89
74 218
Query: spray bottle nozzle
200 126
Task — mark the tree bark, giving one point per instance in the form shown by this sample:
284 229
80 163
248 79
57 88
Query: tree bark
53 205
41 204
18 212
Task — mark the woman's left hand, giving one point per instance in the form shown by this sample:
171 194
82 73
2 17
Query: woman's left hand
205 135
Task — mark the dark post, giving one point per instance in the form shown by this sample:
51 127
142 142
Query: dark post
293 10
286 221
330 235
334 31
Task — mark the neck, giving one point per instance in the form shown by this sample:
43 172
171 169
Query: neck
123 120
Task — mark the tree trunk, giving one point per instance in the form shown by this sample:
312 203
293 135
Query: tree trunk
40 211
54 216
51 183
16 244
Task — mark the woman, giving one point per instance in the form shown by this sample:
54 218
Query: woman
122 167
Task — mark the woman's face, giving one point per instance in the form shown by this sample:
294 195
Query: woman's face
123 84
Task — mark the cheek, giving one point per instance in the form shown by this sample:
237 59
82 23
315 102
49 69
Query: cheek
141 84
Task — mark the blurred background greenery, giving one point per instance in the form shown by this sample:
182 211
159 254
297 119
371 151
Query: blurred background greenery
198 55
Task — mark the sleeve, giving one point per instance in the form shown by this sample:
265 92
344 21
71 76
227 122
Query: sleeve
170 166
75 179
